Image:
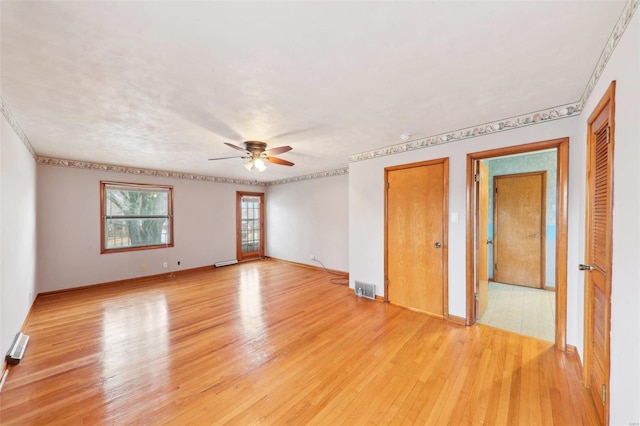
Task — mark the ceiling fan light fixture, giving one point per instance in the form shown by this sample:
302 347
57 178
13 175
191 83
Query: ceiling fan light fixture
258 154
259 164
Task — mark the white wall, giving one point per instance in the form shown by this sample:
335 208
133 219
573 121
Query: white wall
366 206
69 228
17 234
309 217
624 67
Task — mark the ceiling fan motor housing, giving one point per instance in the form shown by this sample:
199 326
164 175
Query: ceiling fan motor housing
256 148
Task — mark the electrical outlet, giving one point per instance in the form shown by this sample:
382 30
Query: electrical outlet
165 264
143 268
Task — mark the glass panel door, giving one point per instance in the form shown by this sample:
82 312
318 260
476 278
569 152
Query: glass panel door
250 224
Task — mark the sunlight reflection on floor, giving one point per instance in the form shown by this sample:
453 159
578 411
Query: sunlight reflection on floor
135 335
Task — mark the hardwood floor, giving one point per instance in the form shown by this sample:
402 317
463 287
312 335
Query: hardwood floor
273 343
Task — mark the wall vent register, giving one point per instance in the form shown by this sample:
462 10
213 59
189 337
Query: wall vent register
365 290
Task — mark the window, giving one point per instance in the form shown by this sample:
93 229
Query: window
135 216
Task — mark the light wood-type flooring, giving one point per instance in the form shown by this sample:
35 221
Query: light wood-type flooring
268 342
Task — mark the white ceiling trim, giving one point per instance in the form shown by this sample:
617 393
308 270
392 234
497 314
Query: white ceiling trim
17 129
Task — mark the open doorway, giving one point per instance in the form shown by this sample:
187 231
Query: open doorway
543 166
519 224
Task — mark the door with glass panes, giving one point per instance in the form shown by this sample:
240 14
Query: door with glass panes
250 225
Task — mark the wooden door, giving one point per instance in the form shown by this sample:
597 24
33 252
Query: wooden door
482 240
598 252
519 223
249 225
416 236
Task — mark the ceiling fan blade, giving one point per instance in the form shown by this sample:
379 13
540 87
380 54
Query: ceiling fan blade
278 150
239 148
279 161
225 158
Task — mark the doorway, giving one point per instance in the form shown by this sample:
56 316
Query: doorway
416 200
249 225
475 246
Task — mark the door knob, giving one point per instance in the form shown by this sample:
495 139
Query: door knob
585 267
489 241
437 245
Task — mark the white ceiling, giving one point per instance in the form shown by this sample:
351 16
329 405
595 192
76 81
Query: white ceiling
162 85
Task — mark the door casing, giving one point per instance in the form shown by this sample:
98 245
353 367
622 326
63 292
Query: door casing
482 240
562 149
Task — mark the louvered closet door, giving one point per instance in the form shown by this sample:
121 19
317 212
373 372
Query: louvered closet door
598 279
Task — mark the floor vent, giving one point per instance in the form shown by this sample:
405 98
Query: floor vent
365 290
225 263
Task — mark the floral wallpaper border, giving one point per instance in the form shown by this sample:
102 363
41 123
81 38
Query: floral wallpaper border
178 175
555 113
16 128
627 13
137 171
536 117
337 172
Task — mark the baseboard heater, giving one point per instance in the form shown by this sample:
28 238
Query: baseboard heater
225 263
16 351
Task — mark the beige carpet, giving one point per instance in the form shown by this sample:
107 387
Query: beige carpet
523 310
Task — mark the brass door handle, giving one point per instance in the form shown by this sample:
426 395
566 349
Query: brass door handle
585 267
437 245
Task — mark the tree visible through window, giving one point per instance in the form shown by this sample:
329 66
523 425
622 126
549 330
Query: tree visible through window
136 216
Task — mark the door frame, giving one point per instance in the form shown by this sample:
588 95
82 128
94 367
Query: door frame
562 156
543 227
445 228
481 278
239 255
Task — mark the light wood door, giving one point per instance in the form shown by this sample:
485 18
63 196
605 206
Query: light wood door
249 225
598 252
416 246
482 241
519 223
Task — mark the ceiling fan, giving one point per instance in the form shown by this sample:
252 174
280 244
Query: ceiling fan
257 153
